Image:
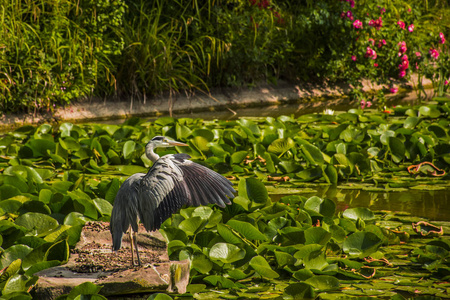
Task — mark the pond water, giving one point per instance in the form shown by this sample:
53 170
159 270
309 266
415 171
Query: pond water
433 205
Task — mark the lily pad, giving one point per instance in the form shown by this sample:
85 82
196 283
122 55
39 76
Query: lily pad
260 265
226 253
361 244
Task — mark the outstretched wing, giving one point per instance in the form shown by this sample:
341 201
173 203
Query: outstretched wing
174 181
125 209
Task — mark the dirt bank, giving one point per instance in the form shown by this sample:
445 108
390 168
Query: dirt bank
304 96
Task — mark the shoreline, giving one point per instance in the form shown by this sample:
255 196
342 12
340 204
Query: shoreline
304 96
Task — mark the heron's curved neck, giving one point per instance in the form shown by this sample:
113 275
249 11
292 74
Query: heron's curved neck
150 153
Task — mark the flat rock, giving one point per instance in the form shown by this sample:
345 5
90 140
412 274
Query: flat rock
93 260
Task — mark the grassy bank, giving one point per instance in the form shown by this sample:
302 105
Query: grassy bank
53 54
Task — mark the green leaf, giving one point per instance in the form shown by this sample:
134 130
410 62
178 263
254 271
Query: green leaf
247 230
321 207
238 157
228 235
159 296
411 122
38 224
298 291
361 244
226 253
251 126
219 281
260 265
103 206
280 146
11 270
429 111
191 226
13 253
254 189
131 169
356 213
284 258
86 288
317 235
323 282
128 149
201 263
182 131
397 148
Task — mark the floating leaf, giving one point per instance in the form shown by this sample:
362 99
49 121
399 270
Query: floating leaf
38 224
323 282
280 146
128 149
260 265
247 230
219 281
356 213
226 253
397 148
361 244
319 206
298 291
159 296
191 225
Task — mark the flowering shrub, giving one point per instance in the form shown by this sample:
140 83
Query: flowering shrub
401 36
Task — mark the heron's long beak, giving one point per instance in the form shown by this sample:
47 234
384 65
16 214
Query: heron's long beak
175 143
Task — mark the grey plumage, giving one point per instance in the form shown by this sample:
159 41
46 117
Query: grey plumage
172 182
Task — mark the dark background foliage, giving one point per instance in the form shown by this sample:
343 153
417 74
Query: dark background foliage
54 53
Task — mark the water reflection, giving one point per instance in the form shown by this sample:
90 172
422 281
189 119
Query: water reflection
434 205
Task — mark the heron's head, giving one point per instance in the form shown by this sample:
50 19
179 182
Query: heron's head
163 142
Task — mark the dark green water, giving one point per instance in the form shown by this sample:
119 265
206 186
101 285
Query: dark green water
433 205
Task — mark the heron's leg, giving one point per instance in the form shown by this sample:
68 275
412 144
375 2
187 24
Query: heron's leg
137 250
132 245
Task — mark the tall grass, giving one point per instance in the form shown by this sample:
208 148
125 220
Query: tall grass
167 48
53 52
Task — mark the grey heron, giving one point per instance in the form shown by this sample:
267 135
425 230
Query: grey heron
172 181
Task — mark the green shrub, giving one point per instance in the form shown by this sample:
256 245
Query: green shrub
53 53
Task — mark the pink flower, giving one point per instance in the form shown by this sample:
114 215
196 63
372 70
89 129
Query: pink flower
352 3
402 74
411 28
353 57
381 43
349 14
393 90
365 104
372 41
434 53
446 82
401 24
377 24
375 65
370 53
405 57
442 37
382 10
404 65
402 48
418 54
357 24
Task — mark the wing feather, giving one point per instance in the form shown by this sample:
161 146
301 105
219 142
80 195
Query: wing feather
174 181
